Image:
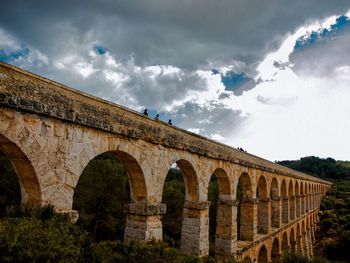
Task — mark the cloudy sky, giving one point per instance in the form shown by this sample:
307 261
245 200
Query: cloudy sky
272 77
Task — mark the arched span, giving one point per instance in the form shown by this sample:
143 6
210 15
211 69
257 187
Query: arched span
245 222
190 179
246 183
292 239
262 257
137 183
225 187
262 188
27 177
285 246
275 205
292 200
275 250
285 207
261 192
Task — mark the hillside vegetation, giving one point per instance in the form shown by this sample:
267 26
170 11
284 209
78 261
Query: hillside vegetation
333 237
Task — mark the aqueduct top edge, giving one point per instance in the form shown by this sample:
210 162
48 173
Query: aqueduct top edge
31 93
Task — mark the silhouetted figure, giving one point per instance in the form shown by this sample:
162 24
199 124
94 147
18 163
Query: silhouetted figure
157 117
170 123
145 112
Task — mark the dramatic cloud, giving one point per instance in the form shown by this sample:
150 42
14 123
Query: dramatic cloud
269 77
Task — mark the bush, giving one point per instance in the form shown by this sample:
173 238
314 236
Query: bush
40 235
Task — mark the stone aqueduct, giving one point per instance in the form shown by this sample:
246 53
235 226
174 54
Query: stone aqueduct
50 132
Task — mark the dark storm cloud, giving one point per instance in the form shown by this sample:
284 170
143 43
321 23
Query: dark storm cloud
324 54
181 33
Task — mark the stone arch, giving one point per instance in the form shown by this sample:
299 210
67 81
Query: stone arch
297 199
245 220
303 237
263 202
137 182
190 178
298 239
275 250
225 186
221 226
285 246
292 239
292 200
302 199
275 203
285 207
262 256
24 169
307 198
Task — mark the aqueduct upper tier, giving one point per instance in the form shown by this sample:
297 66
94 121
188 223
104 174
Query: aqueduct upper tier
50 132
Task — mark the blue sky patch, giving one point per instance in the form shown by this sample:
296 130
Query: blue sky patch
100 50
231 80
14 55
342 23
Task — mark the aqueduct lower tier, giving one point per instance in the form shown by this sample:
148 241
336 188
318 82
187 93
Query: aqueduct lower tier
50 132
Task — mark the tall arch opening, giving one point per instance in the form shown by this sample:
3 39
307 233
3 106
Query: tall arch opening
285 246
174 192
262 257
299 241
180 186
219 189
213 197
245 221
108 183
275 206
292 240
303 237
307 201
275 251
18 179
285 208
263 219
10 191
297 193
302 199
291 201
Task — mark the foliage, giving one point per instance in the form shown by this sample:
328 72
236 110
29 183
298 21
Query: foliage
9 186
322 168
37 234
157 252
100 196
174 198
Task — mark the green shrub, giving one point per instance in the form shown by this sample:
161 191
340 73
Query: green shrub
40 235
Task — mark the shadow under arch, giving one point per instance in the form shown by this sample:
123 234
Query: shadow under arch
285 246
190 179
27 177
245 221
297 193
291 200
137 182
261 192
275 207
221 230
285 207
262 257
224 183
292 240
275 250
